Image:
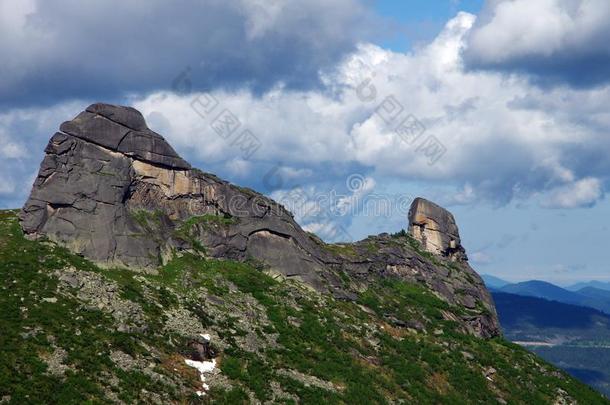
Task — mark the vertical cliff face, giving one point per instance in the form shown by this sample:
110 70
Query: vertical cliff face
114 191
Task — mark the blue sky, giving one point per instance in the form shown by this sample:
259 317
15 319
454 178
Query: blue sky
506 102
419 21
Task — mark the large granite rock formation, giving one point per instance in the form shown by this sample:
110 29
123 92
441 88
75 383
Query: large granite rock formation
116 192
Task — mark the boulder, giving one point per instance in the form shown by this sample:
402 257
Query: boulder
123 129
435 229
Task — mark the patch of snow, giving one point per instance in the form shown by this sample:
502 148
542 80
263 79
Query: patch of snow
203 367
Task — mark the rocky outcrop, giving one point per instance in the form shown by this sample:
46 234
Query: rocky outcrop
400 256
435 228
114 191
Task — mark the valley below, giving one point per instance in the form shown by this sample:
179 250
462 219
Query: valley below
574 338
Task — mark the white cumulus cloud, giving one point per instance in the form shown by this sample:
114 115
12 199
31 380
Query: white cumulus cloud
502 137
581 193
553 39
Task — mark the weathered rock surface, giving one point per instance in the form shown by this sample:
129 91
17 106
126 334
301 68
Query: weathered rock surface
116 192
123 129
435 228
399 256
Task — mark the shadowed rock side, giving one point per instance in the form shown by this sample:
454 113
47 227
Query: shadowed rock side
116 192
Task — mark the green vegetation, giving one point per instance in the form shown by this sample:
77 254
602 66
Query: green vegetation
152 223
280 341
400 299
209 220
34 326
187 230
404 237
341 249
149 220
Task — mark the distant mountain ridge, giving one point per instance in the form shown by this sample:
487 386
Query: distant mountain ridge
567 326
494 282
542 289
520 313
602 285
591 297
593 292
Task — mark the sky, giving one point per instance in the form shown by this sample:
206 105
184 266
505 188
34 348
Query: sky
494 109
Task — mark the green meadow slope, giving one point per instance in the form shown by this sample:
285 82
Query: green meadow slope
72 332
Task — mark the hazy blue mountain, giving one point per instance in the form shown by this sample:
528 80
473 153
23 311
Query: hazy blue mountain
588 296
602 285
519 315
542 289
596 298
594 292
493 282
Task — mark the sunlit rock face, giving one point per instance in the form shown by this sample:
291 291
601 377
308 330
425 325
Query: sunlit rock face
435 229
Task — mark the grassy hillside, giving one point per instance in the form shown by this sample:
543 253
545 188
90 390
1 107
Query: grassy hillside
75 333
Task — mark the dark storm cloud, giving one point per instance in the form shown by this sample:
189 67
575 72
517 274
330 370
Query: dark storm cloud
553 41
60 49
